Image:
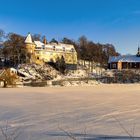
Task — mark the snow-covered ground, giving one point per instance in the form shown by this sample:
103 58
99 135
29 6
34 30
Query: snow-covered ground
91 113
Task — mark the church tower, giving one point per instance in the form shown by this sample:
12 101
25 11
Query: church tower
29 48
138 53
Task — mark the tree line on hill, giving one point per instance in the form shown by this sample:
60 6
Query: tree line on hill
86 50
89 51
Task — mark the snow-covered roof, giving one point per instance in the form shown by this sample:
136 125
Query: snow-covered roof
28 39
59 46
67 46
124 58
38 44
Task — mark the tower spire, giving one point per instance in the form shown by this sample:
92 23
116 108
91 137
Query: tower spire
138 53
28 39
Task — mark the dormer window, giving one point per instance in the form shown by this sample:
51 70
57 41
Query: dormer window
64 49
72 50
43 47
54 48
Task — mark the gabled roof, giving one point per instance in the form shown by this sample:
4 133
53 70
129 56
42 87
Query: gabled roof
38 44
28 39
124 58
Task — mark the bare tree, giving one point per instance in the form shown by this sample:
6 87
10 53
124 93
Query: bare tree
10 134
2 34
13 47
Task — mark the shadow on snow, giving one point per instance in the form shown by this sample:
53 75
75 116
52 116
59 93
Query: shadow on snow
91 136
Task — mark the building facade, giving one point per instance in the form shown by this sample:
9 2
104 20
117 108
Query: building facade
43 52
125 61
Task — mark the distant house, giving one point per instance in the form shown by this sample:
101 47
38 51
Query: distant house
125 61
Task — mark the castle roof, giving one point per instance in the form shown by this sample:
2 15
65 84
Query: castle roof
61 46
28 39
41 45
38 44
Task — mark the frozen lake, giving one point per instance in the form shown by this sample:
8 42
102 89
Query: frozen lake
89 113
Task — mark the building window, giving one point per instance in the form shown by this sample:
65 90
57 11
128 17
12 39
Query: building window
114 66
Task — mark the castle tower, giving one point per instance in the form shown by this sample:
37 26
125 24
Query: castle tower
29 48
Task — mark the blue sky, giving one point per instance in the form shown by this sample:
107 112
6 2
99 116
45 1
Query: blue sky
104 21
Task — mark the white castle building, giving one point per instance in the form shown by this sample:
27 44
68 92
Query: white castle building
50 52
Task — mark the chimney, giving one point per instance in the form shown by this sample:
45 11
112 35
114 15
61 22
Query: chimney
45 40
